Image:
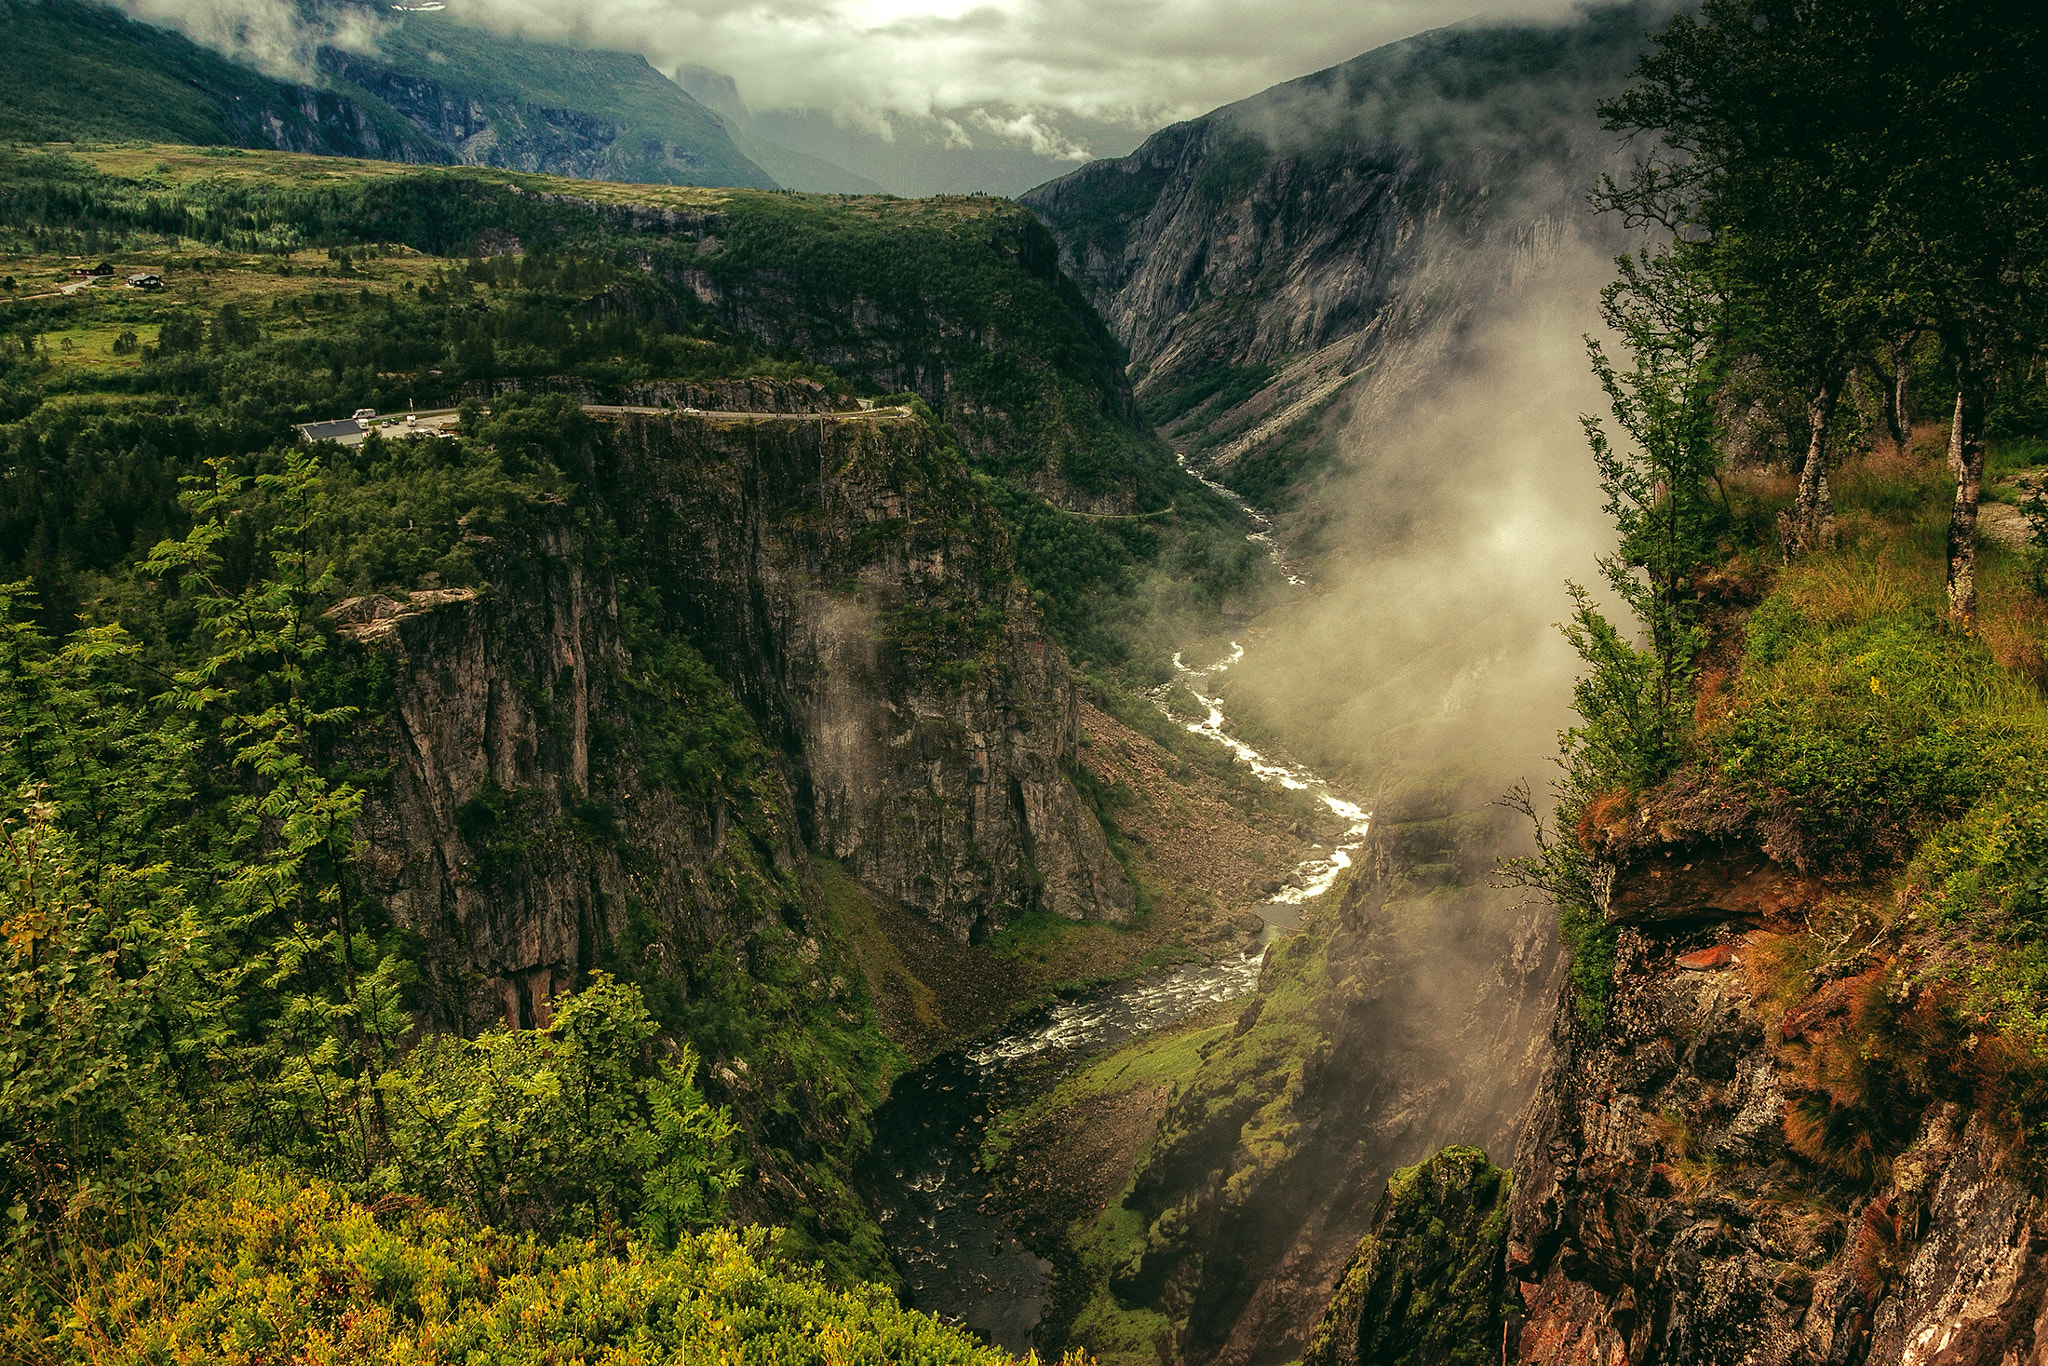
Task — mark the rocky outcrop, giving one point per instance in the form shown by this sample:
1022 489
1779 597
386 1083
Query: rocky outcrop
857 604
512 838
858 597
1744 1162
1428 1286
719 395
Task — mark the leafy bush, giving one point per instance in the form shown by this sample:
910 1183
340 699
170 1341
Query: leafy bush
256 1265
564 1130
1857 740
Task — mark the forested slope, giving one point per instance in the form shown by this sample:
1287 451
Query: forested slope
1795 1107
75 70
589 746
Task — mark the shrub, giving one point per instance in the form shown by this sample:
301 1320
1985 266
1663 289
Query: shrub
258 1266
563 1129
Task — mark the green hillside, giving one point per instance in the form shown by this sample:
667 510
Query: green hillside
437 92
513 76
71 70
962 303
297 288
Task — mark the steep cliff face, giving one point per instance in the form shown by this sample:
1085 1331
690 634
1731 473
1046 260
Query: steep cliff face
853 591
1746 1163
1326 245
857 605
527 826
746 643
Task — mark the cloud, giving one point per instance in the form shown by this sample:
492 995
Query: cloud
1019 73
274 36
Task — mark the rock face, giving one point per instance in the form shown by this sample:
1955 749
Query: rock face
1428 1286
499 841
859 599
1336 237
1711 1177
479 125
843 594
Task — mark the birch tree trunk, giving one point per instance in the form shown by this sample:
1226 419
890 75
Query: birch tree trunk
1902 396
1811 525
1966 448
1955 440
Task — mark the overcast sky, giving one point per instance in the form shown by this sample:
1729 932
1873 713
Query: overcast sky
1010 67
1035 73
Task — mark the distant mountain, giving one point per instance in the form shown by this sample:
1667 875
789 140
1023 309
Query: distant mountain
717 92
531 106
1286 262
925 156
433 92
71 70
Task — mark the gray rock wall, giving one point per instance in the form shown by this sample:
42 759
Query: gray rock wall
855 598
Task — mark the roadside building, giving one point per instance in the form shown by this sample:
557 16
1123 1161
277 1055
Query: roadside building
347 431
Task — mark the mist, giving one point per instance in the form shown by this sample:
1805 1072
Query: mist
916 93
1424 672
1464 501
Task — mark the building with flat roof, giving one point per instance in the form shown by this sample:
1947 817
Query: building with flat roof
347 431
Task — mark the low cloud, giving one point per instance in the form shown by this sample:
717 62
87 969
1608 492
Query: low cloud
276 37
1017 73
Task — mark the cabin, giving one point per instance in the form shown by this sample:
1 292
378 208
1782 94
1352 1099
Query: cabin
98 272
145 282
347 431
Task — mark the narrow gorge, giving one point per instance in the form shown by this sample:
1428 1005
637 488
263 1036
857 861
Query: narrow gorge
1100 778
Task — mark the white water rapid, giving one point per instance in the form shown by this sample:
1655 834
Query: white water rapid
1263 537
1315 874
961 1261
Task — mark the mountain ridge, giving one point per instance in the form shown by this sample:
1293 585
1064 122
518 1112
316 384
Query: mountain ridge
433 92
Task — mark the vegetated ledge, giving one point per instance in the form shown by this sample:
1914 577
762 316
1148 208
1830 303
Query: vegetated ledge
1803 1124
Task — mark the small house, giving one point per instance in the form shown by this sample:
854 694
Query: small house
145 282
347 431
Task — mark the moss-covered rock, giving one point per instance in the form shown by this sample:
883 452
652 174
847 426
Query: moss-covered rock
1428 1286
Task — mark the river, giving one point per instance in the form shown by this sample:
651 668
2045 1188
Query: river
924 1171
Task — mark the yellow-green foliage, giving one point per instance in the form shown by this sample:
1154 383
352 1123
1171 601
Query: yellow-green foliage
258 1267
1986 877
1171 1057
1863 718
1871 732
1429 1283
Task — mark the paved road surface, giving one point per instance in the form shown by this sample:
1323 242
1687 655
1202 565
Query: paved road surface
619 410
